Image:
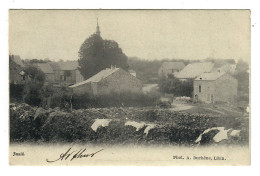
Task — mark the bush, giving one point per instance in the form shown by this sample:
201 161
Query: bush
52 125
16 92
65 100
33 94
21 123
174 86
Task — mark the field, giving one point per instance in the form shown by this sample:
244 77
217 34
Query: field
30 124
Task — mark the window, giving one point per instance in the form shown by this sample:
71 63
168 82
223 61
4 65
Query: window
199 88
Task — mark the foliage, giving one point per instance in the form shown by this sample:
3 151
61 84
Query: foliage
16 92
35 75
242 66
32 93
174 86
65 100
243 85
178 128
96 54
39 60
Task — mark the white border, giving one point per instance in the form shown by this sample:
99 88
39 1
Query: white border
133 4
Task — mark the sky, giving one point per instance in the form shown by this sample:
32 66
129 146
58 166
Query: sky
147 34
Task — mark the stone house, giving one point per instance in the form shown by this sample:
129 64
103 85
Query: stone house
66 73
215 87
107 81
193 70
170 68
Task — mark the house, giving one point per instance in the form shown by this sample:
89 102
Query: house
16 73
47 70
170 68
107 81
215 87
66 73
193 70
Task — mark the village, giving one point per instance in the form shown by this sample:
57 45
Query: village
177 103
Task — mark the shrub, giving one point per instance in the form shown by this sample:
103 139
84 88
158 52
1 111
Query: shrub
21 123
65 100
174 86
16 92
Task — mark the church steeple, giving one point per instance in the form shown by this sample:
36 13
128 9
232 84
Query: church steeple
97 29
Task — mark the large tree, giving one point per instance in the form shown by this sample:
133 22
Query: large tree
96 54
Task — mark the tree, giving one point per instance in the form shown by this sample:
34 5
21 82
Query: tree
242 66
32 93
34 74
175 86
96 54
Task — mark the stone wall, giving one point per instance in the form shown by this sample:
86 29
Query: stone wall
85 88
226 89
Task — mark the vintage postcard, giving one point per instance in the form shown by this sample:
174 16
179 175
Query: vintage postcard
129 87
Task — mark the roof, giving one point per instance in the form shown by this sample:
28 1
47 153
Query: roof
98 77
173 65
68 65
17 59
54 65
45 67
210 76
195 69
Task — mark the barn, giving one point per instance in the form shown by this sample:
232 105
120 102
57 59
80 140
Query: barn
107 81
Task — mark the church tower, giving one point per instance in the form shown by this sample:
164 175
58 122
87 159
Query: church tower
97 29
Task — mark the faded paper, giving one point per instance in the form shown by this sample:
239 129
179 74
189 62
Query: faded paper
38 136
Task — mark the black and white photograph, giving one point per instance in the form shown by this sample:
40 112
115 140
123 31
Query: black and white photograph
129 87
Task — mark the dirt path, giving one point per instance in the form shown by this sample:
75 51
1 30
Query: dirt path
180 106
148 87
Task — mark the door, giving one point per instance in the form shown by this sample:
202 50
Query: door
196 98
